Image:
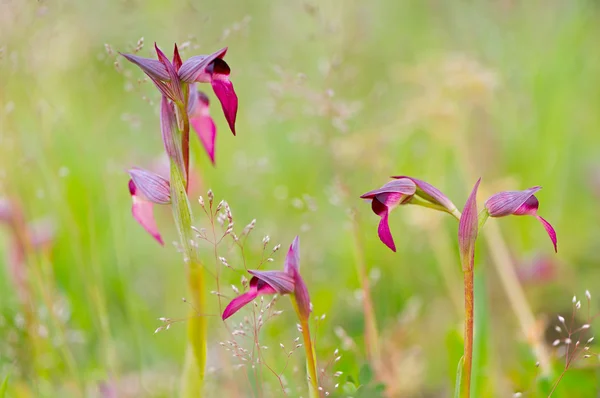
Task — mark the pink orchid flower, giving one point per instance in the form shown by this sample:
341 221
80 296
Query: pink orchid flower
401 191
519 203
287 281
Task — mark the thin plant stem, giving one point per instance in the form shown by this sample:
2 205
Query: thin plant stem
371 333
468 334
311 363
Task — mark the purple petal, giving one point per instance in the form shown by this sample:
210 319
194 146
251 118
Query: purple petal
281 281
194 68
430 193
224 91
528 208
203 123
175 92
143 213
292 259
153 68
467 229
154 187
176 59
403 186
237 303
301 296
550 231
510 202
168 125
256 288
384 229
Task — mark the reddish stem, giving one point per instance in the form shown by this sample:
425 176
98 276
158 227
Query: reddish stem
468 353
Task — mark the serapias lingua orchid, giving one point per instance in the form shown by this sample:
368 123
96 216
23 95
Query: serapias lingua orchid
405 190
176 81
519 203
283 282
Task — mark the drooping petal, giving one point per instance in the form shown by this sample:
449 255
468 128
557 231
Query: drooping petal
224 90
154 187
152 67
550 230
203 123
468 229
237 303
168 126
194 68
511 202
257 288
281 281
383 230
403 186
430 193
143 213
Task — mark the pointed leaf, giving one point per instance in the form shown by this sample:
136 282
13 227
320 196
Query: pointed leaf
467 230
292 259
301 295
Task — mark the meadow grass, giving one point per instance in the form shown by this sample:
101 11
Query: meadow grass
335 97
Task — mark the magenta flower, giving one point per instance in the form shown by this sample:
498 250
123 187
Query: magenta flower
201 121
287 281
146 189
401 191
519 203
172 77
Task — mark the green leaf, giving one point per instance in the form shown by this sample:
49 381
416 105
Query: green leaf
349 388
365 375
4 387
457 384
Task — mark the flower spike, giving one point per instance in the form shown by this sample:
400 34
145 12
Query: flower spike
519 203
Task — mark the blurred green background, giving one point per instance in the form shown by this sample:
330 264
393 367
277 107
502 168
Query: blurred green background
335 96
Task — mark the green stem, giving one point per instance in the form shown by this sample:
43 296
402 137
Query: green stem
311 363
193 373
